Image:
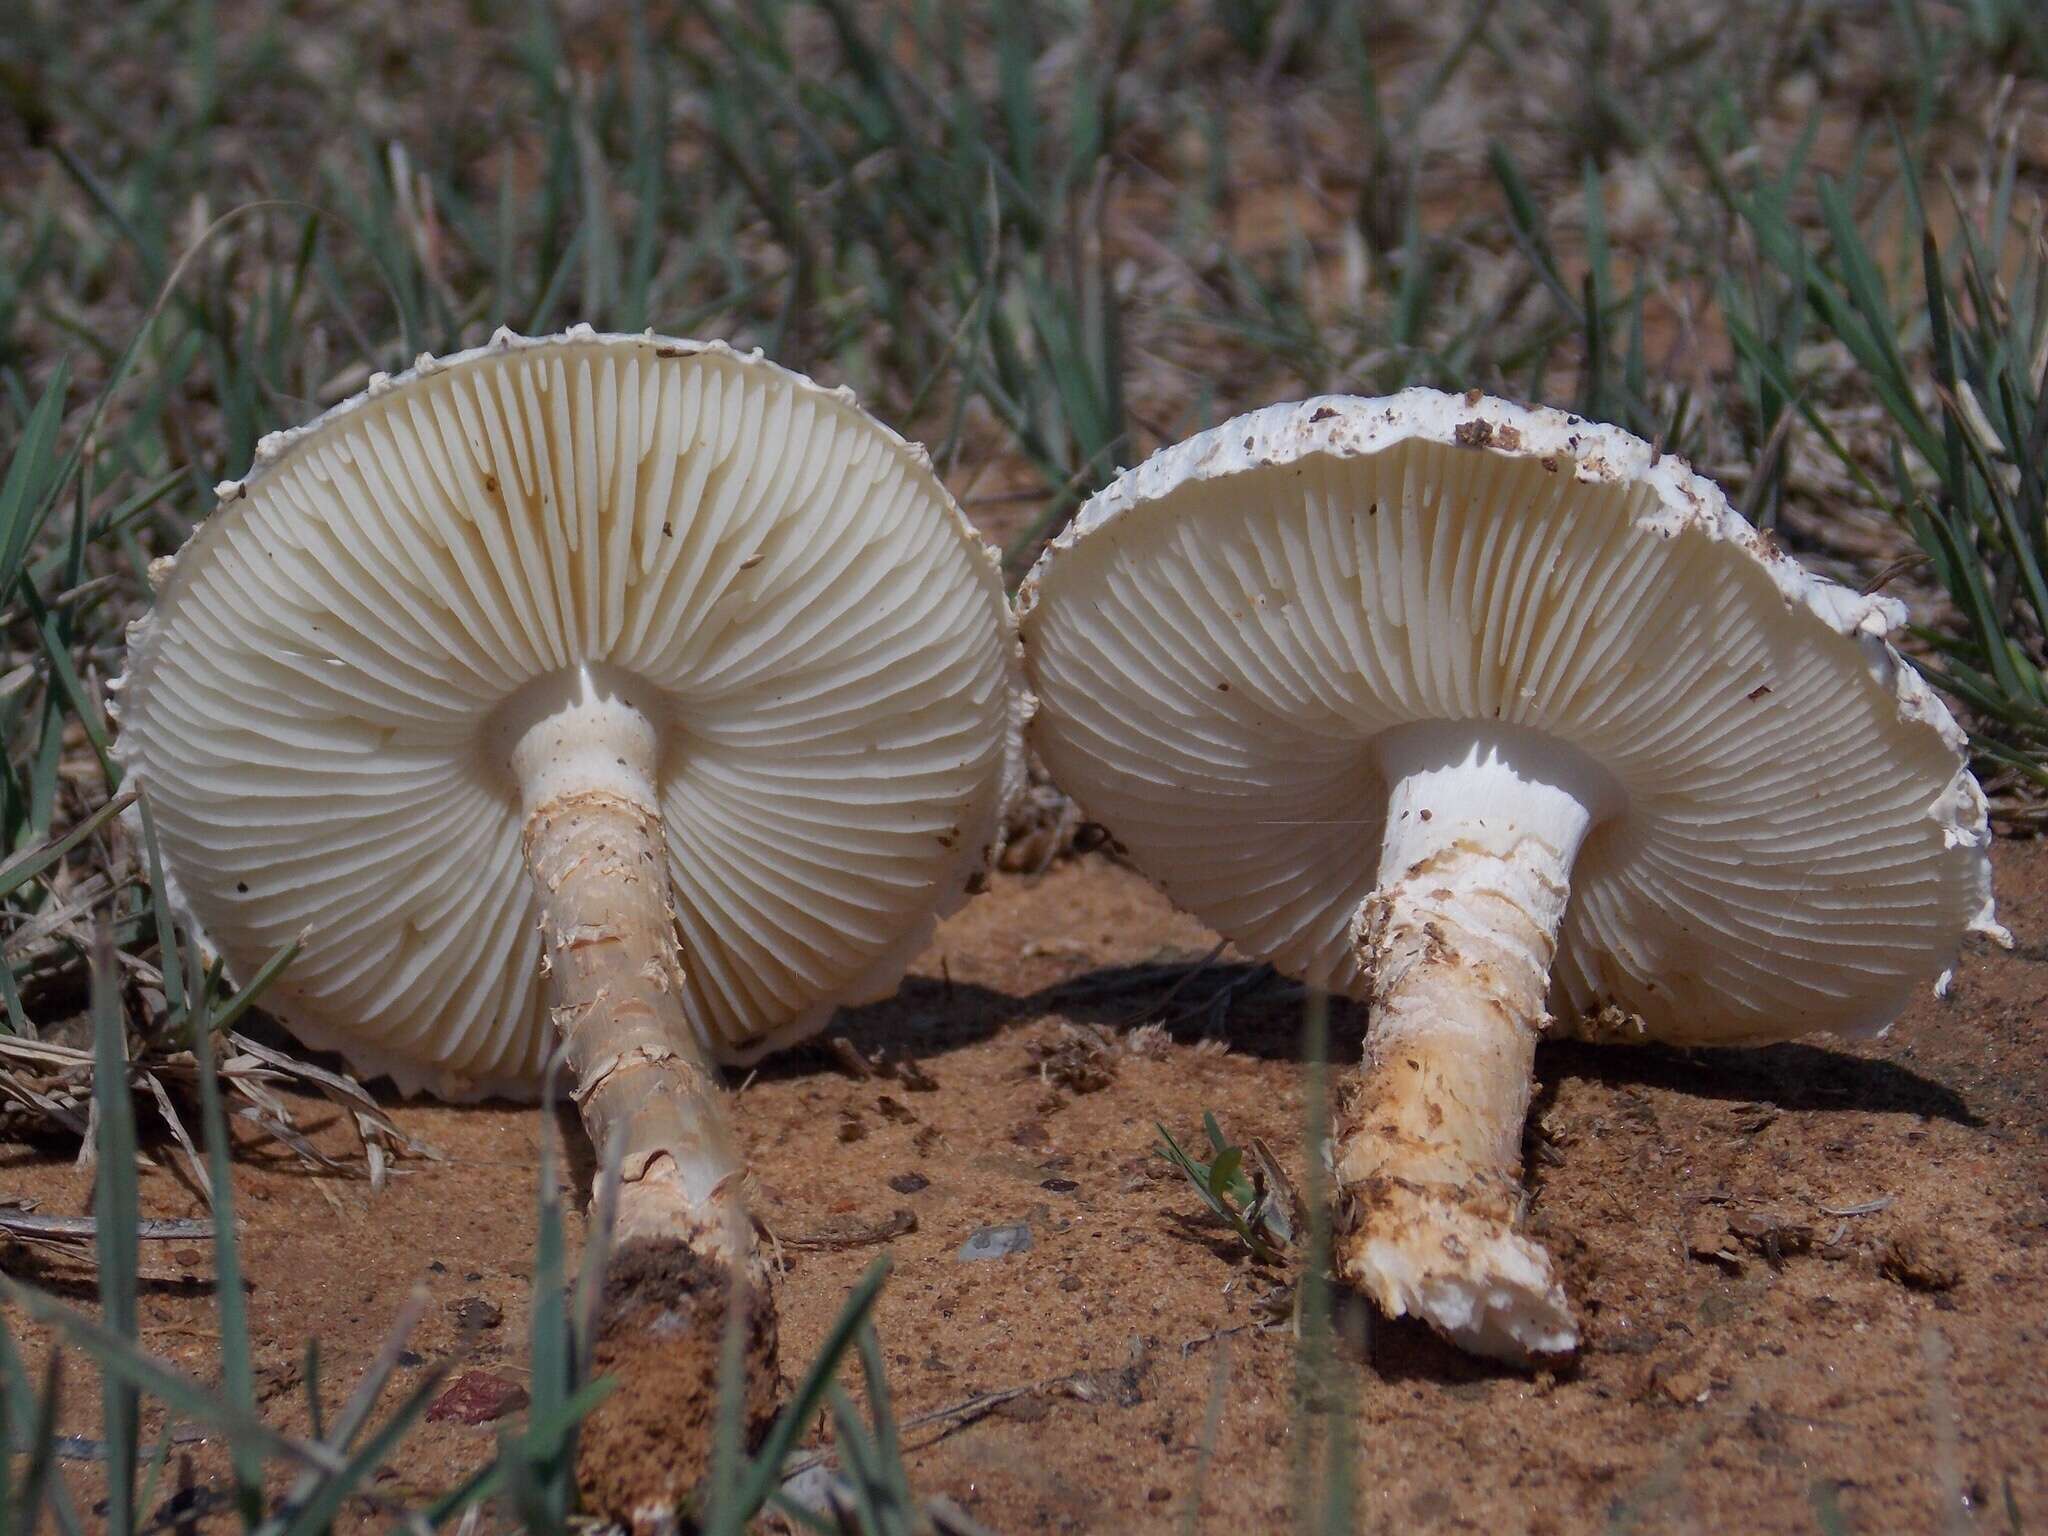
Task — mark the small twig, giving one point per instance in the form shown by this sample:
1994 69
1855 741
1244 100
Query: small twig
896 1225
85 1448
83 1229
84 589
1862 1207
1191 1345
847 1057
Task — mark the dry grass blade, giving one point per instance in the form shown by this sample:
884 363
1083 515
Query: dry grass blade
379 1134
25 866
47 1087
72 1242
82 1229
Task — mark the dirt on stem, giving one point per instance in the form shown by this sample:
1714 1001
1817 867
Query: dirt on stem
646 1086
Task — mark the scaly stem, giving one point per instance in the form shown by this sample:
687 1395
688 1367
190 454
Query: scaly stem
685 1252
1457 940
614 976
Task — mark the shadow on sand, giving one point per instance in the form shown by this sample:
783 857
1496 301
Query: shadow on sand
1259 1012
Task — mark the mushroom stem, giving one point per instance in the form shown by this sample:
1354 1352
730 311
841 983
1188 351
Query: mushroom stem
1457 940
685 1254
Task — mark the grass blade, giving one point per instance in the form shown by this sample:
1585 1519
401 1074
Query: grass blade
25 866
31 474
238 1375
227 1014
316 1513
115 1208
552 1359
763 1475
41 1446
168 961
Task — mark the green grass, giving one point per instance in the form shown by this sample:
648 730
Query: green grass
1251 1202
1021 232
285 1485
1279 1229
1965 451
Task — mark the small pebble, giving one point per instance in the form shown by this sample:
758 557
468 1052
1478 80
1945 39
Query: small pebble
1059 1186
811 1489
477 1397
909 1183
996 1242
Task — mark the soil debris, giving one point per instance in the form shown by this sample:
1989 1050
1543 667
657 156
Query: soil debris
660 1332
1721 1235
1751 1118
906 1073
1148 1042
1770 1235
477 1397
1707 1237
1684 1380
1920 1259
475 1314
1078 1060
911 1075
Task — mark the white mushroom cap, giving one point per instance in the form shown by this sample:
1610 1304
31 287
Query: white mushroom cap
323 703
1786 837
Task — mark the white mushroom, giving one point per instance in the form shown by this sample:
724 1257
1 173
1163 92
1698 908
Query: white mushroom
1496 718
612 693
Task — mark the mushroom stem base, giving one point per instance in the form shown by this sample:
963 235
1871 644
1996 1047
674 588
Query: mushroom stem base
660 1335
1457 940
649 1096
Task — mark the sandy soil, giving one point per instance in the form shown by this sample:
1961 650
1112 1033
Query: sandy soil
1752 1363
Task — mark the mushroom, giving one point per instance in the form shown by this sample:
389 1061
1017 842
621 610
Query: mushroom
1504 723
614 694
